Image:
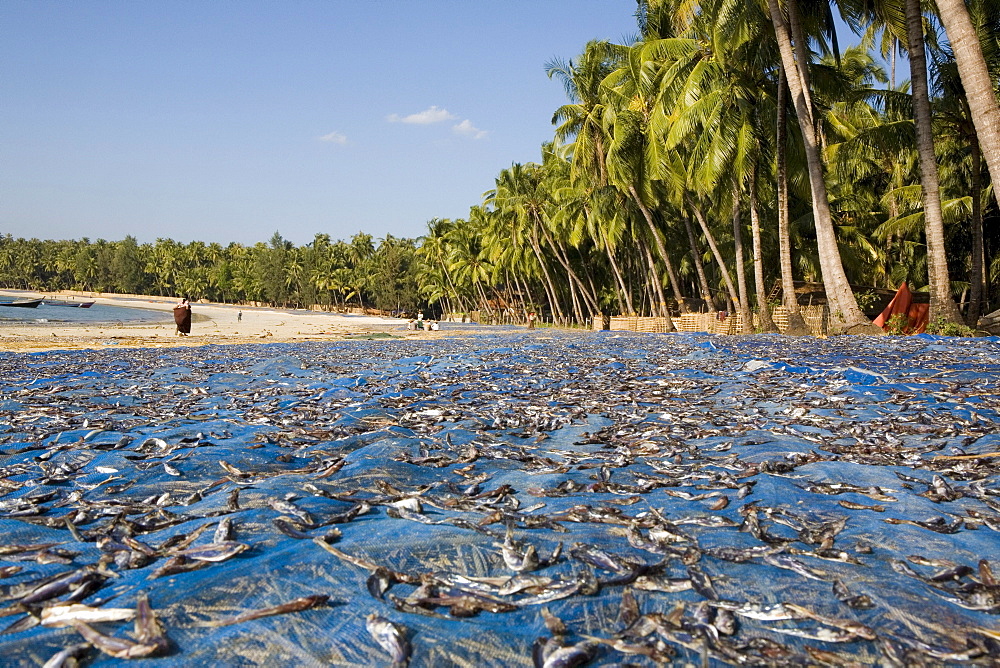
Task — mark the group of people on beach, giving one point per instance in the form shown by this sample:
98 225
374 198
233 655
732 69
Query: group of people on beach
421 324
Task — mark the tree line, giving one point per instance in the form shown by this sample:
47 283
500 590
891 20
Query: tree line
362 272
729 147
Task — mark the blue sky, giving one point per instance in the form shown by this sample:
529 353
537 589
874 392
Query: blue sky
226 121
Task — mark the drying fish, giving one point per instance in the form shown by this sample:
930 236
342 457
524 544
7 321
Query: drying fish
848 625
938 524
147 628
290 508
561 589
64 614
119 648
740 555
391 637
223 532
701 583
662 584
465 605
67 658
523 559
555 655
790 563
214 551
843 594
349 514
286 528
767 613
821 633
600 559
486 454
295 605
406 514
860 506
555 625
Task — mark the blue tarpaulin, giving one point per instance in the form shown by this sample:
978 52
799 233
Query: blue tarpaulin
654 493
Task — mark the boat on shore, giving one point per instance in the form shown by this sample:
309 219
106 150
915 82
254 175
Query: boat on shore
22 303
60 302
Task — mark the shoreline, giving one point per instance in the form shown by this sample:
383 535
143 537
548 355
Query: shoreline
211 324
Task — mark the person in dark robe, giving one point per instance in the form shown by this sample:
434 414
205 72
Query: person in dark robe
182 317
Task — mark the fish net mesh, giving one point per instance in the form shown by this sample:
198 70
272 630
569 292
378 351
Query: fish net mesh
597 438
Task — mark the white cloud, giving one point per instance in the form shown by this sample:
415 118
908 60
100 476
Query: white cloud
468 129
425 117
335 138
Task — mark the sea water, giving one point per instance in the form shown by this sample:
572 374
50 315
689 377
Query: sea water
98 313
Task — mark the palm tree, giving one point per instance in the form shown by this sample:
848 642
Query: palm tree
942 304
519 198
976 80
845 315
635 155
722 101
796 325
582 119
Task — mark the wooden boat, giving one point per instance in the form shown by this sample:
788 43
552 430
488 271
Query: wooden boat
22 303
59 302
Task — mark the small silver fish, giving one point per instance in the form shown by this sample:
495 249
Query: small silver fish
147 629
224 531
62 614
571 655
391 637
215 551
68 657
119 648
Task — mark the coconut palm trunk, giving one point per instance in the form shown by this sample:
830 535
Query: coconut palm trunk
976 82
657 292
977 270
623 291
796 325
524 290
765 323
942 304
845 316
706 292
560 253
719 260
660 246
746 315
547 280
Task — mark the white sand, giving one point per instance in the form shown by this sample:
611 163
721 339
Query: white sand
213 323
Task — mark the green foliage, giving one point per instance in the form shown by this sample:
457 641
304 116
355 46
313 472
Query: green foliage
941 327
326 273
897 324
867 299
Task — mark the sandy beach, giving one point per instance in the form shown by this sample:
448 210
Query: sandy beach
212 324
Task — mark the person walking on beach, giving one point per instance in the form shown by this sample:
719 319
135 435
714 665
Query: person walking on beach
182 317
239 317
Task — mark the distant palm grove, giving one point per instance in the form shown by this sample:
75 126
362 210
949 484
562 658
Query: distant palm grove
733 145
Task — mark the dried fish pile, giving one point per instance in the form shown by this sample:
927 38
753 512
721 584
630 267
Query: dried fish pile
501 500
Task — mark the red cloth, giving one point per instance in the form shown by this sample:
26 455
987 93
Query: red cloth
917 315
